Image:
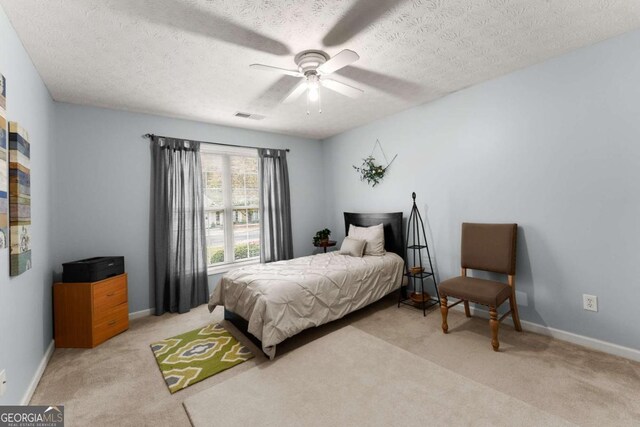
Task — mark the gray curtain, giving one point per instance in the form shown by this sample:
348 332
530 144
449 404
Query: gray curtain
276 242
179 245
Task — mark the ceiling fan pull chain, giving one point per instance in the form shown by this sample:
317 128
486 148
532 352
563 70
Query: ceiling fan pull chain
319 102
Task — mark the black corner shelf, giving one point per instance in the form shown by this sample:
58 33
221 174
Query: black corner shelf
416 243
428 304
422 275
417 247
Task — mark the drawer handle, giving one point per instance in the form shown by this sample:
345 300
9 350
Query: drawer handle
113 322
110 294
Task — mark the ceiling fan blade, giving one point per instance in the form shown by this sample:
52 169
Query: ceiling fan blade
200 21
362 14
395 86
340 60
293 73
273 95
296 92
342 88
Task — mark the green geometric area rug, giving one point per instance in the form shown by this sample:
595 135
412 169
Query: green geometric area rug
196 355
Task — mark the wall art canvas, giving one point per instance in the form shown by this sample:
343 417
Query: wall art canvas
3 92
4 167
19 199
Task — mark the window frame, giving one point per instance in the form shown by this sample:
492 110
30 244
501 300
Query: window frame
227 196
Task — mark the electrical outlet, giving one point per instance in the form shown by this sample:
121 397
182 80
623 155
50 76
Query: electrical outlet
3 382
590 302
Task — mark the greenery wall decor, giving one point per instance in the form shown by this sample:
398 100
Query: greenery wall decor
371 172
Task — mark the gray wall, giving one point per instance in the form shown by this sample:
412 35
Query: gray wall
102 175
25 300
555 148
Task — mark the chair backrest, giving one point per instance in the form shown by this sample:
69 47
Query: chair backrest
489 247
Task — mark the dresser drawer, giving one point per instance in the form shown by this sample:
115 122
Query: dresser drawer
88 314
109 293
113 321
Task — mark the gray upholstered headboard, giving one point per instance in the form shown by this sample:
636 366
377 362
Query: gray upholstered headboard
393 237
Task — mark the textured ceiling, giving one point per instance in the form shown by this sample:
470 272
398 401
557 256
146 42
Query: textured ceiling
190 58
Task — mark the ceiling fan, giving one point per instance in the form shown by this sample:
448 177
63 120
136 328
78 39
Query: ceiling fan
313 68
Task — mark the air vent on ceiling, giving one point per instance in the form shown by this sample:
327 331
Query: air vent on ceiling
249 116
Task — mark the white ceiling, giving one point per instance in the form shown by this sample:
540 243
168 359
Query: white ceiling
190 58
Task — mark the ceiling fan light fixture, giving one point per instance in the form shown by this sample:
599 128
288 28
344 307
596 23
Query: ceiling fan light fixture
313 67
313 94
314 87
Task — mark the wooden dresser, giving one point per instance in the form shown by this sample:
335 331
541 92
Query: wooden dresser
88 314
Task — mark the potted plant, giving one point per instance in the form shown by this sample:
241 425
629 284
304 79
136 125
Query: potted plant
322 237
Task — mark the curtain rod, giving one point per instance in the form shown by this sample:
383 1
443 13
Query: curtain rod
151 135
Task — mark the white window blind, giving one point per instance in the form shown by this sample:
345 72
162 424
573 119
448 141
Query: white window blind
231 204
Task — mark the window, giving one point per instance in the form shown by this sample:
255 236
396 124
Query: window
231 205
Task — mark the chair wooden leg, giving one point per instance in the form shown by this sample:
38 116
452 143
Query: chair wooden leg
445 311
493 323
514 313
467 312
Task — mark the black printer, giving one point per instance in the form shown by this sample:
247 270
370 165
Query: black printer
92 269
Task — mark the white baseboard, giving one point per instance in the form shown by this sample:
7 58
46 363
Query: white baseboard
47 356
591 343
38 374
142 313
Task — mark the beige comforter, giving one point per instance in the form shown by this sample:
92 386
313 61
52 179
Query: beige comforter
283 298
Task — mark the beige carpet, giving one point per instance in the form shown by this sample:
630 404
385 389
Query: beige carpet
350 378
118 383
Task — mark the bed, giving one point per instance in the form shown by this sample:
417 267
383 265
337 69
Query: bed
272 302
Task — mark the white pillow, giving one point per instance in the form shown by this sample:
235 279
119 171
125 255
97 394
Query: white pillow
352 247
374 236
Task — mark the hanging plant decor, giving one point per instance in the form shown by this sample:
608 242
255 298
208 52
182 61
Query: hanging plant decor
371 172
